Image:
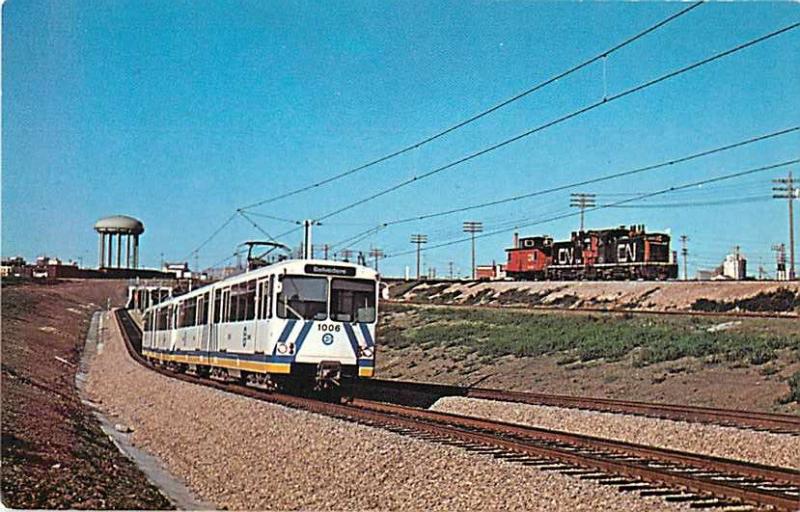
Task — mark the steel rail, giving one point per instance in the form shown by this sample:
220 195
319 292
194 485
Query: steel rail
762 421
752 483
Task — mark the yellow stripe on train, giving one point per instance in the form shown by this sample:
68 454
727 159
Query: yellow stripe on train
234 364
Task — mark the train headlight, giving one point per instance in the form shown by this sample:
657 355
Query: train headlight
282 348
366 352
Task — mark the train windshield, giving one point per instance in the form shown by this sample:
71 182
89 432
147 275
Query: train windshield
305 298
353 300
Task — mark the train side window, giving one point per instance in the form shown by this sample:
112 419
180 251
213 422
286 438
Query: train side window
270 294
236 303
248 300
189 313
147 322
263 299
203 315
217 306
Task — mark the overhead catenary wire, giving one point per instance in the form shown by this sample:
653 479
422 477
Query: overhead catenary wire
600 207
255 225
214 234
690 204
273 217
559 120
481 114
589 181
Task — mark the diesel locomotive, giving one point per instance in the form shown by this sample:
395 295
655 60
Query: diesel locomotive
623 253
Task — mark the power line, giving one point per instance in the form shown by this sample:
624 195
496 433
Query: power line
581 183
273 217
689 204
215 233
255 225
479 115
561 119
623 201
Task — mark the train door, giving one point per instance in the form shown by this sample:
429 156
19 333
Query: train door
216 322
262 314
223 327
203 306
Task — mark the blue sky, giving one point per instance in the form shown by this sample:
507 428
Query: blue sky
179 112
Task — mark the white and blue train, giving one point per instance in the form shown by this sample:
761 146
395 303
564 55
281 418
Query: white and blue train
296 324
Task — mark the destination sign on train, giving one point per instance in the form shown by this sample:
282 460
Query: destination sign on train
331 270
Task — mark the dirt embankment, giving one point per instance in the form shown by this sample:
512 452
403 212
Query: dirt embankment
707 296
747 363
54 454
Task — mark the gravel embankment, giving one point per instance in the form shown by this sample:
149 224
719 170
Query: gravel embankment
54 453
244 454
734 443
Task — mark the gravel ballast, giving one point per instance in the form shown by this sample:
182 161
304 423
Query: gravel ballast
240 453
728 442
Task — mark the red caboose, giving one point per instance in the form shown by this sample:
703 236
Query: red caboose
530 257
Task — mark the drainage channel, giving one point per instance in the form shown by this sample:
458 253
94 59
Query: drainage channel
173 488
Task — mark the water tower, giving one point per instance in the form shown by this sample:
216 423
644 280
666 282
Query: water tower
118 226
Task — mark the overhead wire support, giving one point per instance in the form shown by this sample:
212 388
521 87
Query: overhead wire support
418 240
788 189
483 113
562 119
582 201
639 197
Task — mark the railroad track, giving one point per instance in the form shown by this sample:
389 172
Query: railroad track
425 394
703 481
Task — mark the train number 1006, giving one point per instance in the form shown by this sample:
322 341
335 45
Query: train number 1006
329 327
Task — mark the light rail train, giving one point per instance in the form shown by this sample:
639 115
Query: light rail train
294 325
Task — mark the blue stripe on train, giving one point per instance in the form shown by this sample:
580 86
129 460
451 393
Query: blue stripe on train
302 336
287 330
367 336
351 336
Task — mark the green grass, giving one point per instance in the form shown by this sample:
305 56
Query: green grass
587 337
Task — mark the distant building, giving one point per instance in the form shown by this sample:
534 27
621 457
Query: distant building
493 272
735 266
181 270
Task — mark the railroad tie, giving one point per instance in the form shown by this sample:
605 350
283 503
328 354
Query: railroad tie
712 503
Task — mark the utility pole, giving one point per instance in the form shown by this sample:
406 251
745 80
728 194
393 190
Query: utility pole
450 269
308 249
582 201
685 254
473 227
376 254
780 261
787 189
419 240
325 249
346 253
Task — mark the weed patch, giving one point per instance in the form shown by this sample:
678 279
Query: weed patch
578 338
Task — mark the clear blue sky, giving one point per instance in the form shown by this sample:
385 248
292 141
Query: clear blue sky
179 112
